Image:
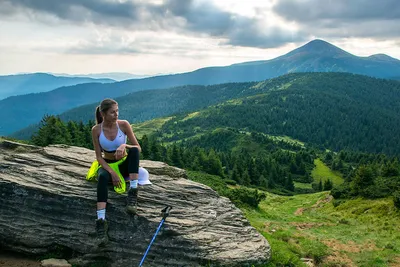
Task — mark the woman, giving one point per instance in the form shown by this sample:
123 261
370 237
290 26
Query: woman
109 140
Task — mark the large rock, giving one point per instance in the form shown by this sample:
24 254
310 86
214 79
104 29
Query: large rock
47 207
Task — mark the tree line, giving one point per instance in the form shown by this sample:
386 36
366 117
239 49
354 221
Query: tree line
274 167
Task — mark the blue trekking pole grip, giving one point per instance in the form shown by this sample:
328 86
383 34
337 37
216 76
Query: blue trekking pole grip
165 212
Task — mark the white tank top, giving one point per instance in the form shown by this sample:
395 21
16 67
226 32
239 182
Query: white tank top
111 146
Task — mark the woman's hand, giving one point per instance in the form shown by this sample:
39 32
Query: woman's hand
120 152
115 179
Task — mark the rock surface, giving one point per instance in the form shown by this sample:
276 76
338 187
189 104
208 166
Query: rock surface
54 263
47 207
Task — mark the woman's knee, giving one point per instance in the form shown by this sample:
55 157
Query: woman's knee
103 176
134 150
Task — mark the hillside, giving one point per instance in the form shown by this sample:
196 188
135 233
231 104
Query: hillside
358 232
319 229
330 110
316 56
21 84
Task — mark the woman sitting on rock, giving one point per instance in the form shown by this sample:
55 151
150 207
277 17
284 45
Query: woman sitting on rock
109 140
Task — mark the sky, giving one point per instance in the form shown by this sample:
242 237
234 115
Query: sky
149 37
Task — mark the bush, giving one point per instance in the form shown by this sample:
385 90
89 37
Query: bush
245 196
341 191
230 182
396 199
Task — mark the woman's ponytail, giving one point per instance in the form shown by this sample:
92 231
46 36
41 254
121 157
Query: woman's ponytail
99 118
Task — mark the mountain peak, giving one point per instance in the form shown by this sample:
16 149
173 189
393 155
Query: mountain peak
320 47
382 57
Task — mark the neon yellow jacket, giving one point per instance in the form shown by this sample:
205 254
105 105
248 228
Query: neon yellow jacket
92 174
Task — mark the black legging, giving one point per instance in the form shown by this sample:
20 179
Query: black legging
130 165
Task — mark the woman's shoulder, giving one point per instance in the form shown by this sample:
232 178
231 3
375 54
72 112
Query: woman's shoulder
123 123
96 128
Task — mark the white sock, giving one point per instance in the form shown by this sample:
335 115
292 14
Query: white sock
101 214
133 183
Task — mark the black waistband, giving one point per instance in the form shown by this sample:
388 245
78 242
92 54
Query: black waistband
109 151
110 160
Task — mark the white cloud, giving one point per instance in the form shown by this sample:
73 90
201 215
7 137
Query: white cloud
148 37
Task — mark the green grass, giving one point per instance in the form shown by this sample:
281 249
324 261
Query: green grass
302 185
323 173
191 115
287 139
357 232
148 127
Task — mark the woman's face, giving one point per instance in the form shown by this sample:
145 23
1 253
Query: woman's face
111 115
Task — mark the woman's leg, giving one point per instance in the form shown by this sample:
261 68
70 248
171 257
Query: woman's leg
104 178
102 195
130 167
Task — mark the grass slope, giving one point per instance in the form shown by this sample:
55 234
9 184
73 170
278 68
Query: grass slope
323 173
357 232
148 127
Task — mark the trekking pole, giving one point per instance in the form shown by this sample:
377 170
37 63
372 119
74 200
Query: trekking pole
165 212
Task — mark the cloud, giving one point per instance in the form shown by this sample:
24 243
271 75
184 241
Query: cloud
188 17
342 18
261 35
311 10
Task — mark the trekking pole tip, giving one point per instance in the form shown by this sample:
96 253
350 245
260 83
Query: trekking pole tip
165 211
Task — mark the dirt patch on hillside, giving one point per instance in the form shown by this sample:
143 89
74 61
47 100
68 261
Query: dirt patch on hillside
299 211
308 225
396 262
339 251
317 205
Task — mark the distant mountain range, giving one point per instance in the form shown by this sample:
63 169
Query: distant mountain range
117 76
315 56
21 84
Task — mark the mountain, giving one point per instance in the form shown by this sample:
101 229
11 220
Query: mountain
321 56
329 110
21 84
316 56
335 111
116 76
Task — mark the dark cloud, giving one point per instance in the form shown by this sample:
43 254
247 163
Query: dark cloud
181 16
255 35
342 18
78 11
311 10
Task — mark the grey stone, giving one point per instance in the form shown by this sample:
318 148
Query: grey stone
55 263
47 205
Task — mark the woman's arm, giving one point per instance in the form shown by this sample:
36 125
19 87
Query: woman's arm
126 127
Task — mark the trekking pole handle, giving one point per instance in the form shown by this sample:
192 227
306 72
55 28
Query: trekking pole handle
165 211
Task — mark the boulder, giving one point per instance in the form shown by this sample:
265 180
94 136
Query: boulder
48 207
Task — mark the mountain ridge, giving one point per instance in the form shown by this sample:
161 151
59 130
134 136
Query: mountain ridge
295 61
346 104
21 84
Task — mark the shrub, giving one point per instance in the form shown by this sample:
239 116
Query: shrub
396 199
230 182
341 191
245 196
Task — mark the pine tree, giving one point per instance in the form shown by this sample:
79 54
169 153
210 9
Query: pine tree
144 144
320 185
328 185
289 185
